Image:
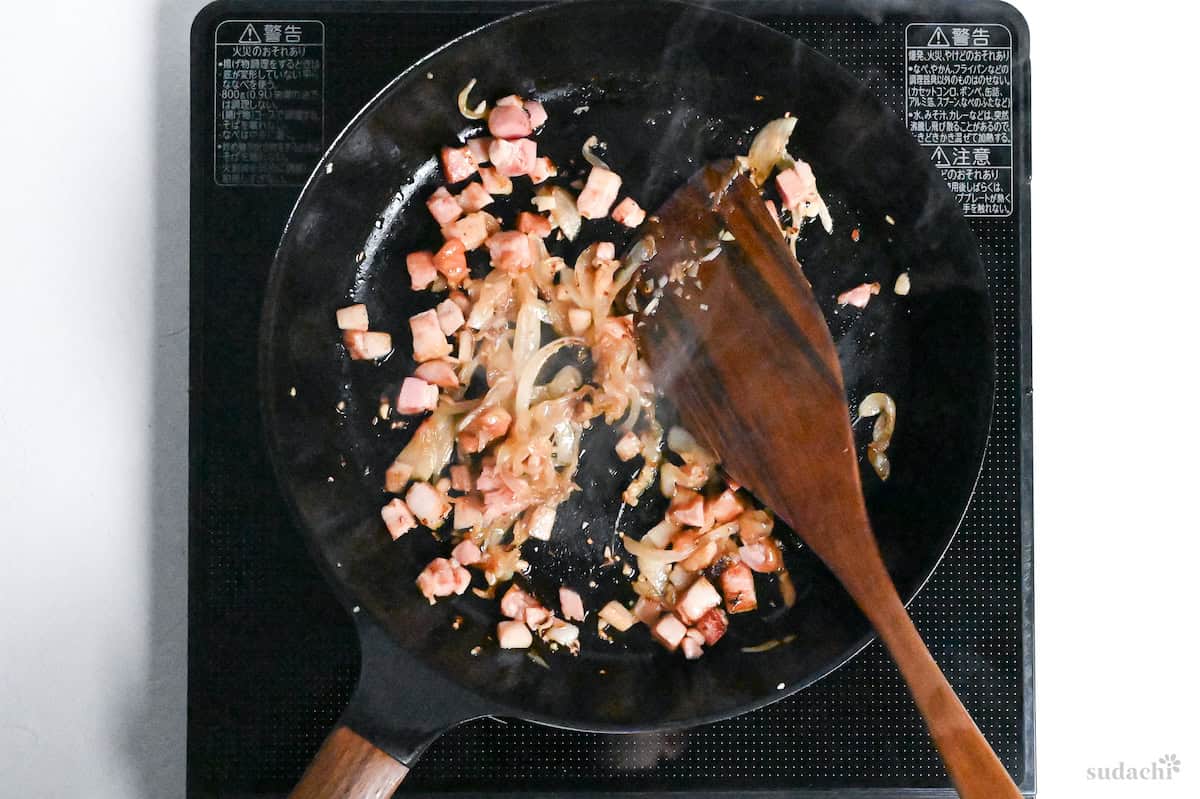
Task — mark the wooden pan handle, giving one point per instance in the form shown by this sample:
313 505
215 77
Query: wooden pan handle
973 766
349 766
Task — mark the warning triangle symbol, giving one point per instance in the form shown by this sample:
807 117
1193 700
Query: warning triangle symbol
939 157
250 36
938 39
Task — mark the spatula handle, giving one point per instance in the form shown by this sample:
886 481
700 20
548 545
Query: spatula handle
973 766
349 766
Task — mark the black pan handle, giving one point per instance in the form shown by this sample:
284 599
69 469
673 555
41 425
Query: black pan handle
398 709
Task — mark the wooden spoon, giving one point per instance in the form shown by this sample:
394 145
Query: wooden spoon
745 354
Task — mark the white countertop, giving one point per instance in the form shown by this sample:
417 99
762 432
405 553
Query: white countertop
93 325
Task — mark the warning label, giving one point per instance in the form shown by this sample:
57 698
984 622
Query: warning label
269 103
959 106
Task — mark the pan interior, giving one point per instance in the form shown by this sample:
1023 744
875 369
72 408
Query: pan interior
716 79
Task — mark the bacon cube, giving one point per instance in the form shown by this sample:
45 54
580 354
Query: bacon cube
398 518
451 261
421 270
443 206
598 193
457 163
509 122
353 317
510 251
429 342
629 213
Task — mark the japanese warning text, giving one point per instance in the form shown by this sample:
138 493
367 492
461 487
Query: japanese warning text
959 106
269 104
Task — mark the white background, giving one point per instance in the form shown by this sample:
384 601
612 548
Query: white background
93 344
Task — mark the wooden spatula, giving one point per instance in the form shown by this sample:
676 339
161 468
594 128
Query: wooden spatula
742 349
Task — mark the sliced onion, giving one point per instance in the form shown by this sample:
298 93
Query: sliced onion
769 148
431 446
479 111
883 406
531 369
879 462
565 214
590 156
651 554
567 380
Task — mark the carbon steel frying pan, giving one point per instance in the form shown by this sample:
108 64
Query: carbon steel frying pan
668 87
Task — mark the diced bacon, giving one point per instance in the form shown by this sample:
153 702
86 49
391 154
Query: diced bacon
504 501
629 446
540 521
796 185
754 525
737 584
514 602
725 507
483 429
629 213
467 552
438 372
416 396
478 148
572 604
762 556
691 649
712 625
460 477
513 158
858 296
367 345
509 100
647 611
536 616
472 230
429 342
462 580
513 635
509 122
421 270
443 577
669 631
536 224
396 477
468 512
427 504
457 163
494 182
510 251
579 319
398 518
563 634
687 508
605 251
443 206
451 261
598 193
543 168
450 316
353 317
537 113
697 600
473 198
617 615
